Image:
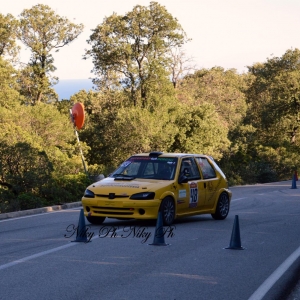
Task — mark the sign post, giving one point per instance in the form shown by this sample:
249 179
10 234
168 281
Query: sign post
77 118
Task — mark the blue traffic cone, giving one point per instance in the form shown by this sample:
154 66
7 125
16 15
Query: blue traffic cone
235 241
294 185
159 237
81 235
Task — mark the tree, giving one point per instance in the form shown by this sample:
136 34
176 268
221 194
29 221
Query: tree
200 130
131 52
99 131
138 131
274 99
23 168
180 65
43 31
9 87
39 159
35 87
265 147
8 29
225 89
114 130
45 129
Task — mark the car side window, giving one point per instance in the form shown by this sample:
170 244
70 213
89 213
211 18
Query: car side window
207 170
189 169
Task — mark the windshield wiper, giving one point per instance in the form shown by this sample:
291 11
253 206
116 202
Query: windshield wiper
120 176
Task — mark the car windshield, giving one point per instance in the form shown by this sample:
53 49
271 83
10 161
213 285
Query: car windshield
162 168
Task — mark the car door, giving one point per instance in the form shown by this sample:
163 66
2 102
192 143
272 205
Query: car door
191 195
210 181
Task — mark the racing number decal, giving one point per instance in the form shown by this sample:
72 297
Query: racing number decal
193 194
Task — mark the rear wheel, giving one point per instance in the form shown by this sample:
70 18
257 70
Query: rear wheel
96 220
222 208
167 209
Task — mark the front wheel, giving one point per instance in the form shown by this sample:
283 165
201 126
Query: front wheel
167 209
95 220
222 208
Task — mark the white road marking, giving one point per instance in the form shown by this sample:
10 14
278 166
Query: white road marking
271 280
237 199
13 263
70 244
39 214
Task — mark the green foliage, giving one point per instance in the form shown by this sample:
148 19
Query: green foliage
224 89
248 122
200 130
98 131
64 106
42 31
115 129
65 189
142 131
248 161
47 151
23 168
36 85
8 28
57 191
274 99
41 125
266 148
9 88
266 165
29 201
132 51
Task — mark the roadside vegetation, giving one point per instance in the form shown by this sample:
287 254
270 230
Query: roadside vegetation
149 97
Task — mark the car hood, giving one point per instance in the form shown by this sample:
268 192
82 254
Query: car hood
109 185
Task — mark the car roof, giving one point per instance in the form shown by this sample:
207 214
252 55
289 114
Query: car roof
166 154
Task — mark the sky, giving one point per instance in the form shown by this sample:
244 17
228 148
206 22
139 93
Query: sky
231 34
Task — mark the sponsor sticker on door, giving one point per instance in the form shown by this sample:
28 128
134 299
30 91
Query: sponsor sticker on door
182 193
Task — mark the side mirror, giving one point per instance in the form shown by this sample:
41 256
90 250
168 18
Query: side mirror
182 179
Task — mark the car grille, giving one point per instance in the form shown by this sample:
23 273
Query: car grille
111 196
112 210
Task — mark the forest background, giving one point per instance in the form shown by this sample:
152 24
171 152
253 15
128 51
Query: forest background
149 96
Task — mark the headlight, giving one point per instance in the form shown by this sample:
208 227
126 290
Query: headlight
143 196
88 194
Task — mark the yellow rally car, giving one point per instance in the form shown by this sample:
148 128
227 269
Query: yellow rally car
176 184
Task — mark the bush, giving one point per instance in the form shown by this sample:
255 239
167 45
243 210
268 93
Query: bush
66 189
30 201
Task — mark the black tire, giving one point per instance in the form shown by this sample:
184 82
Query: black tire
96 220
222 208
167 209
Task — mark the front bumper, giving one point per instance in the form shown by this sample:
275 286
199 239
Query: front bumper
131 209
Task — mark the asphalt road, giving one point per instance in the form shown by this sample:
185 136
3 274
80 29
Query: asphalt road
40 258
